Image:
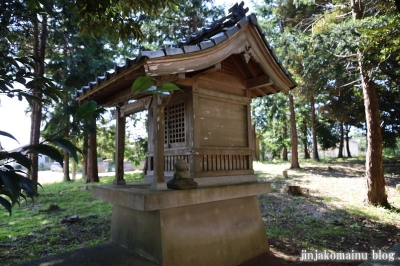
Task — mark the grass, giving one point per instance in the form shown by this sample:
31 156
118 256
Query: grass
331 215
34 231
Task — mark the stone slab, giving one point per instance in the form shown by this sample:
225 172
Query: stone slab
142 197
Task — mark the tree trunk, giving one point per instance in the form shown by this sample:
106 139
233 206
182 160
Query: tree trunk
66 157
73 170
341 142
85 156
305 140
285 154
314 130
295 155
285 151
373 161
195 19
84 167
39 50
93 173
256 145
66 166
348 142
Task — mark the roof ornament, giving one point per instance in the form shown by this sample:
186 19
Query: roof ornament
247 53
236 13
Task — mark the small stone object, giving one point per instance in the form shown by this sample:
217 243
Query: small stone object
181 178
285 173
398 188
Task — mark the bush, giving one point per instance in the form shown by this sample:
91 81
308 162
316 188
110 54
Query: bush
42 167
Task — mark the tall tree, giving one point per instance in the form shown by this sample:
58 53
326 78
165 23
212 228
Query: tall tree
293 129
357 43
374 162
314 129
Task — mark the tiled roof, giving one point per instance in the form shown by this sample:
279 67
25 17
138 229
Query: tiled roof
205 38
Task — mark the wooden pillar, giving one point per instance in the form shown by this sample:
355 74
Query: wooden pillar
158 144
119 148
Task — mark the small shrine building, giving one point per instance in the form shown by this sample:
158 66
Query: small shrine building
219 70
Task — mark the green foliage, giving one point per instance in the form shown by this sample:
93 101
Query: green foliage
120 19
68 146
270 117
327 138
86 109
136 152
142 83
176 22
13 182
146 84
318 42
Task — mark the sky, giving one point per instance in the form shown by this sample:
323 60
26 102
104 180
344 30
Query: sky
14 121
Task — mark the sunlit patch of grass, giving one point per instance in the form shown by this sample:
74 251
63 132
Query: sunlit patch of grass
35 231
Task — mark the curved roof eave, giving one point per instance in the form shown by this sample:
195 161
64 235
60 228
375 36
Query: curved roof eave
160 62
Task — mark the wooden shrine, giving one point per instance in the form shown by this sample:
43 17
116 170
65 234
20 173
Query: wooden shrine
207 124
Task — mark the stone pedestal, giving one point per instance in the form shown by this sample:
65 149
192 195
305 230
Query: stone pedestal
218 225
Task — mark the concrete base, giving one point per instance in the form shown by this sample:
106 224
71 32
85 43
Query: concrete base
205 226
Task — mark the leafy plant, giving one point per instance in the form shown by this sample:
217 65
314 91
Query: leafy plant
145 84
14 184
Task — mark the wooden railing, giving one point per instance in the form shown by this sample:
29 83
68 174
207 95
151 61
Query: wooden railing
212 162
208 162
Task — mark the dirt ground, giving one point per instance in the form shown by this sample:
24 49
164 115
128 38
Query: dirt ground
334 199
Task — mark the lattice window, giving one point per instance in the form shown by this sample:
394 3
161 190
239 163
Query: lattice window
175 124
229 67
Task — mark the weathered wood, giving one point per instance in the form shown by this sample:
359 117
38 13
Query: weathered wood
258 82
158 143
216 136
121 96
222 96
215 87
260 92
224 80
251 68
208 70
135 107
188 81
271 88
119 148
223 173
160 80
239 64
222 123
221 150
